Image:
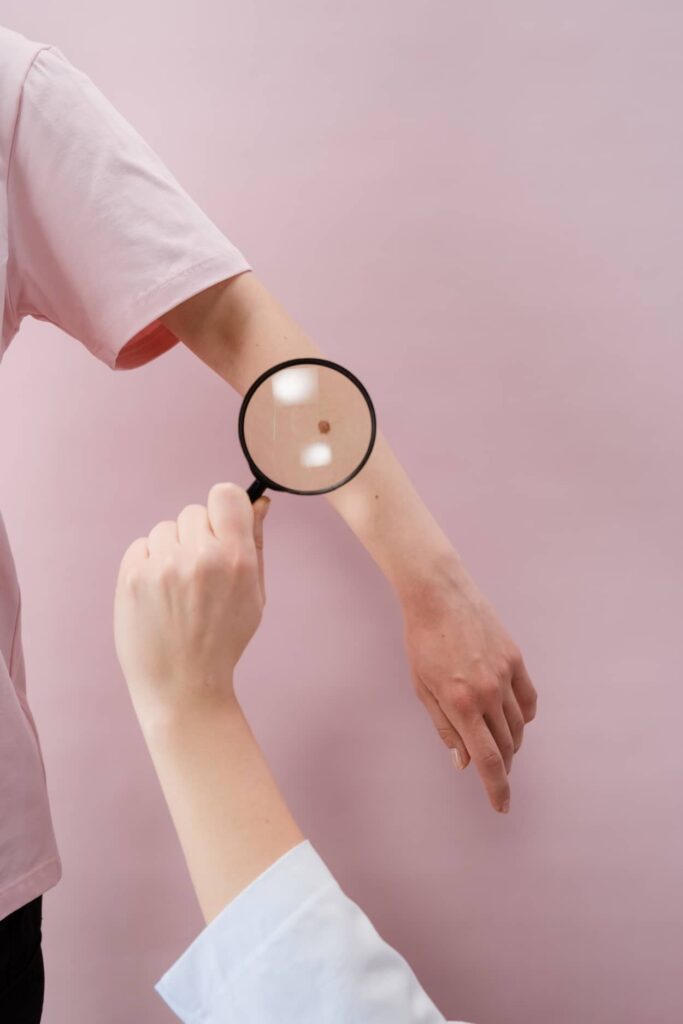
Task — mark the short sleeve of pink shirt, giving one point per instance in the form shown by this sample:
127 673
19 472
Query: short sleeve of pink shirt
102 238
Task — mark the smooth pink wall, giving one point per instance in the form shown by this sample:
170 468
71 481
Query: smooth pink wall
477 207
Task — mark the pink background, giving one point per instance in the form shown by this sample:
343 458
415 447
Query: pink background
477 207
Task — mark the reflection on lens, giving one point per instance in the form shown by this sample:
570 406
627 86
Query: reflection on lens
294 385
319 454
307 427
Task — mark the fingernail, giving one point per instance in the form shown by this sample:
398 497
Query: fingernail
267 506
457 760
506 807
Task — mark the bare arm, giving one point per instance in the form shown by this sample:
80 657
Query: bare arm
188 600
239 329
467 671
231 818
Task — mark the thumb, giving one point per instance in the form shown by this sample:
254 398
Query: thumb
230 516
260 512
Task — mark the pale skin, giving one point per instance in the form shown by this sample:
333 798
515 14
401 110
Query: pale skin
188 599
466 669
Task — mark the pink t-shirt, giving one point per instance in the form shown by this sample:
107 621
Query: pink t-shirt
97 237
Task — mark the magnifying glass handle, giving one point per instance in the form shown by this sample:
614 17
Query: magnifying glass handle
256 490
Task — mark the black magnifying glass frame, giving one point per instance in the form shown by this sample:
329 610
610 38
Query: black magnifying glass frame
261 481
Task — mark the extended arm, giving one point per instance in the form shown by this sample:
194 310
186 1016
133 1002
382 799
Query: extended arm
239 329
466 669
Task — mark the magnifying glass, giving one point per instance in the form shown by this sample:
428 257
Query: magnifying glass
306 426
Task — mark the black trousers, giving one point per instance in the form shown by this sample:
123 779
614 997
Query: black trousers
22 979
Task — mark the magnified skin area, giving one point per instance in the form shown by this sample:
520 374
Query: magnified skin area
288 413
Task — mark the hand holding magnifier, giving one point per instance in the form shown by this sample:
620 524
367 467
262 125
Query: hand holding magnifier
306 426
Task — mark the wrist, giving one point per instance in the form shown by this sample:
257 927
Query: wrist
167 724
429 577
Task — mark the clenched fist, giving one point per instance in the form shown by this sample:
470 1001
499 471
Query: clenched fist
189 598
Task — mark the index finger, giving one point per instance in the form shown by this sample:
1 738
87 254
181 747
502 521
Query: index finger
487 758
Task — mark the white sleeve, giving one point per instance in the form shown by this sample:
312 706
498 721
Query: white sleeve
292 948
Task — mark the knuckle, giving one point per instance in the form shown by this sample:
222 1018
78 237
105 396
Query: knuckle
243 563
491 760
446 734
160 535
529 707
515 660
133 552
131 577
489 688
463 700
163 526
166 571
221 491
192 510
207 562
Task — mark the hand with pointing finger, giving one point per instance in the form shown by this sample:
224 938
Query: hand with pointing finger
470 676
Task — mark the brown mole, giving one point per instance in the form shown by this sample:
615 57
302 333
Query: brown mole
324 427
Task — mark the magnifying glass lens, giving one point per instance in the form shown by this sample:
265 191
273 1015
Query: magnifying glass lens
308 427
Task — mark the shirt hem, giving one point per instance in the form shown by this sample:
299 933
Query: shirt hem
29 886
144 313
